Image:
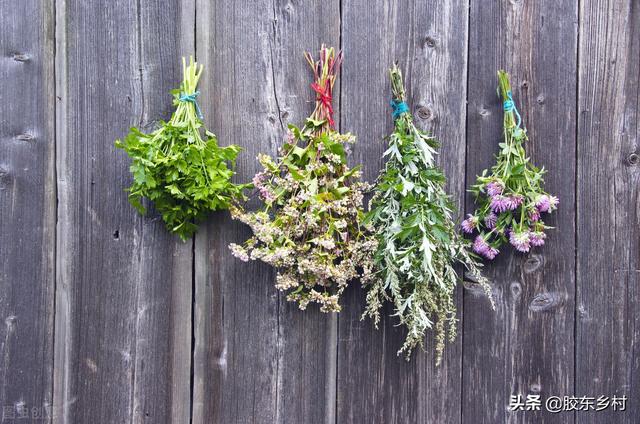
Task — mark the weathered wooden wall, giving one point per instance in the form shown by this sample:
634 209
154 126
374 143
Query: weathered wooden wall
109 319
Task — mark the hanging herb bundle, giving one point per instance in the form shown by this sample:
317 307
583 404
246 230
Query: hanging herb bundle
510 197
309 228
184 175
418 244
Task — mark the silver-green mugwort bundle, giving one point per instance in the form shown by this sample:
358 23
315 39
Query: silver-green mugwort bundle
418 244
309 228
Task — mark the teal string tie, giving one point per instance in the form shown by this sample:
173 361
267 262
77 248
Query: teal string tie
509 106
399 107
191 98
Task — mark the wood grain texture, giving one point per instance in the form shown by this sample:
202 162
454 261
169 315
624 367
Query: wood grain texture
608 271
430 43
111 319
307 339
257 357
123 301
527 345
27 209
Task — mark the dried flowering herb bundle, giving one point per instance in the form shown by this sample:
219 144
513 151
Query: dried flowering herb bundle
510 197
309 226
184 175
418 244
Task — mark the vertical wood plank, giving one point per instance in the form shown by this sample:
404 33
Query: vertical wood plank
527 345
608 204
27 209
164 323
257 357
430 43
123 301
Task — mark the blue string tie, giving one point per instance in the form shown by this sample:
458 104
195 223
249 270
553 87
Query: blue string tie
399 107
509 106
191 98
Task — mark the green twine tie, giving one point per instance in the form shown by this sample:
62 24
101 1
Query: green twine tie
399 107
509 106
191 98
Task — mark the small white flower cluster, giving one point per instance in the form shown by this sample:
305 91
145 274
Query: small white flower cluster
327 302
310 226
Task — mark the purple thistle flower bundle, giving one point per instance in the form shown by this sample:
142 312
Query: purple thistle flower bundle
510 197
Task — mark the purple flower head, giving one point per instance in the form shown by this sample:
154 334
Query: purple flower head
491 253
267 195
513 201
259 178
553 203
481 247
495 188
490 220
520 240
470 224
537 238
289 137
543 203
534 215
499 204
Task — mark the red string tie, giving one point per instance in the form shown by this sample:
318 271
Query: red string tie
324 96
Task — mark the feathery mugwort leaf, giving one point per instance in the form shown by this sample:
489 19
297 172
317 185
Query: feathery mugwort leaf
418 245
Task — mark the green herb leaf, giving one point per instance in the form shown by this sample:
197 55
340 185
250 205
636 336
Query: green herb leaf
184 175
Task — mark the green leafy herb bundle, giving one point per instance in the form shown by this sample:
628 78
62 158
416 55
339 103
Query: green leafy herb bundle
309 228
510 197
183 174
418 244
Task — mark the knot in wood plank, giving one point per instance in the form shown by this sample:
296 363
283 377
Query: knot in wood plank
516 289
430 41
25 137
425 113
546 301
532 263
21 57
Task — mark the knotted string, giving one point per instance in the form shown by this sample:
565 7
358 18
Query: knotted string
509 106
399 107
324 97
191 98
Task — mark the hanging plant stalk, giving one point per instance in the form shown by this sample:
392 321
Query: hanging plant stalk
184 175
309 228
418 244
510 197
